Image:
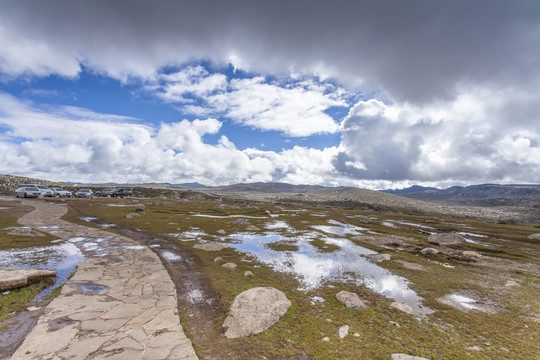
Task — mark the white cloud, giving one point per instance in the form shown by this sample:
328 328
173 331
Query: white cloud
461 140
296 109
60 145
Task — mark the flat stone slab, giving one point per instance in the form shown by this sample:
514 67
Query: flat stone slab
120 304
16 278
210 247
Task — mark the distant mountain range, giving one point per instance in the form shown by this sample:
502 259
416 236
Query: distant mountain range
270 187
484 194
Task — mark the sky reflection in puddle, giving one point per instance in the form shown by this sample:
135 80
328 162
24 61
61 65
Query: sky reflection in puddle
63 259
314 267
340 229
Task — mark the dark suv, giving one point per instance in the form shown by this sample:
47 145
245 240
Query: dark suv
121 192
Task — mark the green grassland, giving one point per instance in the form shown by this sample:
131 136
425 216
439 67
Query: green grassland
511 328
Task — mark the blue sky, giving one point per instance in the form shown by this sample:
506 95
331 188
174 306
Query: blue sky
367 94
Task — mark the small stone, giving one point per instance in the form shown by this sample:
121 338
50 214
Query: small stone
326 339
343 331
475 348
471 254
395 324
356 335
230 266
252 228
221 232
329 320
133 216
429 251
249 274
379 257
140 208
240 222
402 307
534 236
406 357
33 308
210 247
446 239
511 283
350 300
218 258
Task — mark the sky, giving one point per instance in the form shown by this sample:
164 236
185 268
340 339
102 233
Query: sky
375 94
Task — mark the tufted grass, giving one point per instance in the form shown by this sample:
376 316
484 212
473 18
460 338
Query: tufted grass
512 331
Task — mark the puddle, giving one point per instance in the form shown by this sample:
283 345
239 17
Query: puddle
88 218
340 229
134 247
227 216
316 300
195 296
313 268
277 225
63 258
272 215
471 234
389 224
464 301
170 256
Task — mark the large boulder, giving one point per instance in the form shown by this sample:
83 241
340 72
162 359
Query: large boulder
446 239
254 311
16 278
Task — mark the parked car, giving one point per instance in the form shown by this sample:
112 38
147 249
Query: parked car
44 190
27 191
61 192
104 192
84 193
122 192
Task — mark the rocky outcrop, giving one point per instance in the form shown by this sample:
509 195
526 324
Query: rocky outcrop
16 278
254 311
350 300
445 239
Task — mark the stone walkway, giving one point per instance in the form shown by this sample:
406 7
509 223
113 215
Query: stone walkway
120 304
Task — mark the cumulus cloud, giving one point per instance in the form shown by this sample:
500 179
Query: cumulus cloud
463 140
296 109
62 145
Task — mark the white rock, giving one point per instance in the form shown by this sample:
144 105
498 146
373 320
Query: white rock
406 357
350 300
343 331
230 266
254 311
402 307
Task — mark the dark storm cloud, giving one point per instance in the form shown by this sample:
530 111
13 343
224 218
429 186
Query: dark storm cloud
412 50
